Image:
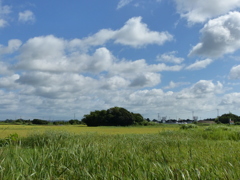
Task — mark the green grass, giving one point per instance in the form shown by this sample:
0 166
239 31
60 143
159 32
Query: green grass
193 153
26 130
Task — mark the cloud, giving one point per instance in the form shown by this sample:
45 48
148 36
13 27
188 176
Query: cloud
199 64
4 69
235 72
170 58
4 11
123 3
55 78
173 85
43 47
219 36
13 45
8 102
52 54
26 16
52 86
232 100
201 89
114 83
3 23
146 80
8 82
134 33
201 96
198 11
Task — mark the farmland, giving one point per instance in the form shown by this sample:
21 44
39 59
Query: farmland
157 152
25 130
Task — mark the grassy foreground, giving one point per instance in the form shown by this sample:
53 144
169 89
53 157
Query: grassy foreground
197 153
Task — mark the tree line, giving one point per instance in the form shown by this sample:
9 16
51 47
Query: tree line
118 116
42 122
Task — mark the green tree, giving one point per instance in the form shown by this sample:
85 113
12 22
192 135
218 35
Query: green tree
39 121
116 116
226 117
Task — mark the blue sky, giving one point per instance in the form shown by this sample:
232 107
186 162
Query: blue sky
174 58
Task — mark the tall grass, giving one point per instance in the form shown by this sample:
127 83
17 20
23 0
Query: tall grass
198 153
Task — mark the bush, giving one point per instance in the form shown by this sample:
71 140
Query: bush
38 121
188 126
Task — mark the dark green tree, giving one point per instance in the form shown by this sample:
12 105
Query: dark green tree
39 121
74 121
116 116
226 117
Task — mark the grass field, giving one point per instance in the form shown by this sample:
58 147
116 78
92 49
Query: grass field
25 130
140 153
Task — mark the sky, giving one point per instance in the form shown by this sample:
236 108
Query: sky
160 58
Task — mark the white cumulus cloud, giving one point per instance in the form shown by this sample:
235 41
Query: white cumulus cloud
219 36
235 72
197 11
13 45
201 89
134 33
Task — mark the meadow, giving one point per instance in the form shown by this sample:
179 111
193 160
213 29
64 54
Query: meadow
26 130
158 152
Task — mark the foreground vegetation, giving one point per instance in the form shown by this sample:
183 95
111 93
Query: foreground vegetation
191 152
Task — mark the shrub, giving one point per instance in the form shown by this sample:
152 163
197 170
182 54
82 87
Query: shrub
39 121
188 126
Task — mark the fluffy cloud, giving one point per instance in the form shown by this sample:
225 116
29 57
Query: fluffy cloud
56 85
219 36
8 101
170 58
55 55
114 83
201 96
196 11
8 82
13 45
232 99
201 89
43 47
235 72
199 64
4 69
26 16
146 80
134 33
49 53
